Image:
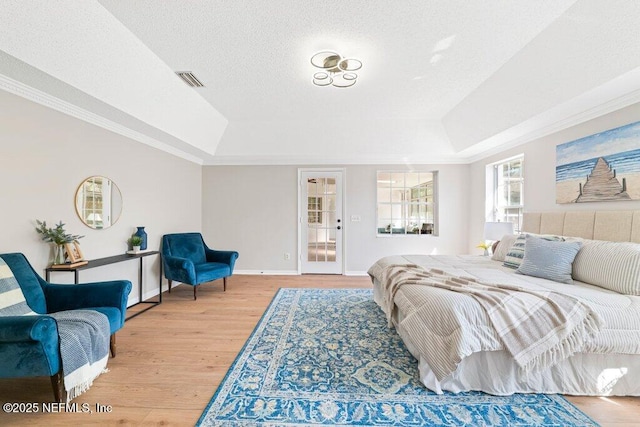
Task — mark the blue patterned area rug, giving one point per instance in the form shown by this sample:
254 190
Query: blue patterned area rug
327 357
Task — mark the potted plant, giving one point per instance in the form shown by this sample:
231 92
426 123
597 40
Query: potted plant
58 236
135 242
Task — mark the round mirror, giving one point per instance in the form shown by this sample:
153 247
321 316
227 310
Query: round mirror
98 202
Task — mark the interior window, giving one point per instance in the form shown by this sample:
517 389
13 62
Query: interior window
407 203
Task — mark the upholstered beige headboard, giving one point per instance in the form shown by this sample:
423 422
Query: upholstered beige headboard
616 226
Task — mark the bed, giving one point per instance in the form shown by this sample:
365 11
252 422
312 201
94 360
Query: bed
454 337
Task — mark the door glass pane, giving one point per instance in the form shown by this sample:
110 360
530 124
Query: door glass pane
330 204
330 186
331 217
322 220
331 245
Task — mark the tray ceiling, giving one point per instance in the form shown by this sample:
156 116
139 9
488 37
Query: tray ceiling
440 82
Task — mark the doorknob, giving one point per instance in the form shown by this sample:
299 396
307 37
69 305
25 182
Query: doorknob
339 228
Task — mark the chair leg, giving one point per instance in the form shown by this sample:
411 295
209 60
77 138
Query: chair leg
112 345
224 286
195 288
58 388
169 285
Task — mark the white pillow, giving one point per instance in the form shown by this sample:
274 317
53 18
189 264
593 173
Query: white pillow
610 265
503 247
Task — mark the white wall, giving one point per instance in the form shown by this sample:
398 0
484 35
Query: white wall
540 172
253 209
45 155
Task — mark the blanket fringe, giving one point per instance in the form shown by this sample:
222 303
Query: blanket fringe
83 387
583 333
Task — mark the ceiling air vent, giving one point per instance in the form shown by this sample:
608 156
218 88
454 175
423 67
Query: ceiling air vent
189 78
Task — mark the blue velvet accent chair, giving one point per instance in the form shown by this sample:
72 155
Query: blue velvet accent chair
187 259
29 345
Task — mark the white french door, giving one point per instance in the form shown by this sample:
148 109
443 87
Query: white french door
321 221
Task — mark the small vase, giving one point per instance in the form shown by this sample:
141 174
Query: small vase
136 248
58 254
143 234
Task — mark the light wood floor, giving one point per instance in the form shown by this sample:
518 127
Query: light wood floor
171 359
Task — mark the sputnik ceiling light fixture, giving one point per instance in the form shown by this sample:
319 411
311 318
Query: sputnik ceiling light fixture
336 70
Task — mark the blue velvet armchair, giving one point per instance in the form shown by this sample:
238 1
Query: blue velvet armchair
29 345
187 259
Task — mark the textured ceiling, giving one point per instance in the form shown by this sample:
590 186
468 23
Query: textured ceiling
442 81
254 56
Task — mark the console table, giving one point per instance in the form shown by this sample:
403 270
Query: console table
113 260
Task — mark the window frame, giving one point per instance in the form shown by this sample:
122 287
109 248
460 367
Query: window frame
499 212
426 210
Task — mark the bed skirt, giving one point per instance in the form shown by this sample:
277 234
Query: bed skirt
495 372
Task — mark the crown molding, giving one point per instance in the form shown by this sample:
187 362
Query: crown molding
540 131
20 89
321 161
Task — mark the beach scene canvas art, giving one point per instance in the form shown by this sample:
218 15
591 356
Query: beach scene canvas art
602 167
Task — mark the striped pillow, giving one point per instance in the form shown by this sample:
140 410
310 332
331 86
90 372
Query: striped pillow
514 257
548 259
610 265
12 302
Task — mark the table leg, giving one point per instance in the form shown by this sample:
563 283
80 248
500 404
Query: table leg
160 280
140 281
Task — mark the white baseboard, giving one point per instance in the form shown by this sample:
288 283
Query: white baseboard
290 272
356 273
146 295
268 272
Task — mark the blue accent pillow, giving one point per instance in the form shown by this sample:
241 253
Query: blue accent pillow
515 254
547 259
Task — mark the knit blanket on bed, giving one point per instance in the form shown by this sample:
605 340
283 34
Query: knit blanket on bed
84 348
538 328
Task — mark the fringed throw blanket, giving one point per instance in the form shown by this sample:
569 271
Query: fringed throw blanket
84 335
84 347
539 328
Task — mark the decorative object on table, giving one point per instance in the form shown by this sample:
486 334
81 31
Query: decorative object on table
59 237
328 357
493 232
134 243
142 234
74 254
485 246
603 167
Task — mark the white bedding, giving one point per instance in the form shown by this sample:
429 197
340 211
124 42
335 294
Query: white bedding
607 365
